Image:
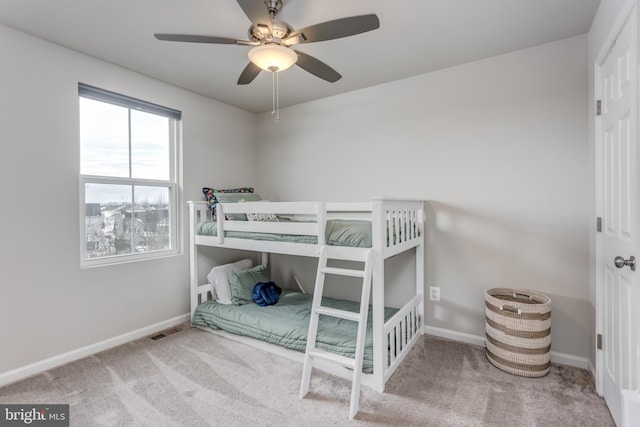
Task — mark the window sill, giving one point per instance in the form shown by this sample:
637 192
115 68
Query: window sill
129 258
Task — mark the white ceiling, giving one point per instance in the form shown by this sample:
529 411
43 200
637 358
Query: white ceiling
415 37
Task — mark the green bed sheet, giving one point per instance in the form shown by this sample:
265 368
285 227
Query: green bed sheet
352 233
287 322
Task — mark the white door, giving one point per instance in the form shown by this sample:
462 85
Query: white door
619 281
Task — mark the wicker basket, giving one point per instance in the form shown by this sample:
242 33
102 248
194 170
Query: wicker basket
518 331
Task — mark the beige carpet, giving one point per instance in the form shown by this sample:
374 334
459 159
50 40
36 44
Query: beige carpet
193 378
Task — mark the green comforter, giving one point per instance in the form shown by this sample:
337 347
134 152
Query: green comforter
352 233
287 323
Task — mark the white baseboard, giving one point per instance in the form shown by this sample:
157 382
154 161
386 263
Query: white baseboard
592 369
556 357
454 335
62 359
570 360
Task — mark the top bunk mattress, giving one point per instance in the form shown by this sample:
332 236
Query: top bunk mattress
339 232
287 323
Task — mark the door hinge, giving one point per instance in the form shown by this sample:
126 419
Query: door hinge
599 224
598 107
599 341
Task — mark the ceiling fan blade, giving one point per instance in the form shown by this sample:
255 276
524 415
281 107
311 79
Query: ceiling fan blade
338 28
249 73
257 12
317 67
199 39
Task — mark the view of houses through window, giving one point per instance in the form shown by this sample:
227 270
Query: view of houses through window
115 226
128 176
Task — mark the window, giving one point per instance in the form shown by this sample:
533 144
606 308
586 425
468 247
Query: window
128 184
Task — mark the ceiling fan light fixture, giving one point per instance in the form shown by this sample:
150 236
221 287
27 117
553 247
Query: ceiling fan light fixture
272 57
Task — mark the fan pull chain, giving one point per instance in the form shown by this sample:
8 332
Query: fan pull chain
275 99
273 92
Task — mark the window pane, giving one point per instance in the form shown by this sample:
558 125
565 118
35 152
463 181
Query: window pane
107 219
149 146
152 219
104 139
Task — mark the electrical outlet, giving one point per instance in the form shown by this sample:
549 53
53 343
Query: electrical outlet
434 293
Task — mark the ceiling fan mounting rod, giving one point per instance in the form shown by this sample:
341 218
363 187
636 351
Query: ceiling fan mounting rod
274 7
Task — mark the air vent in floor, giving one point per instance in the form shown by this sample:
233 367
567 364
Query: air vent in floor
165 333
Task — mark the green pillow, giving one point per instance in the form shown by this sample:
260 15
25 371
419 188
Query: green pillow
242 283
354 233
237 198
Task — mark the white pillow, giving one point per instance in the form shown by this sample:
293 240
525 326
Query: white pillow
219 279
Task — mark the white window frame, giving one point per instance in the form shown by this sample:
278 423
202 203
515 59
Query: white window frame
171 184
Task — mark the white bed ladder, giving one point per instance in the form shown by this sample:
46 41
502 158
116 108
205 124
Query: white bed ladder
313 352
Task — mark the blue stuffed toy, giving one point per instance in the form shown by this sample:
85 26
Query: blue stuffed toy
266 293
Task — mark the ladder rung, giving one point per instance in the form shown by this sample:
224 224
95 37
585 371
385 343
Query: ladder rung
332 357
342 271
334 312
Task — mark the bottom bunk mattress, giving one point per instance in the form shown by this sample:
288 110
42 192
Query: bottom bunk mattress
287 323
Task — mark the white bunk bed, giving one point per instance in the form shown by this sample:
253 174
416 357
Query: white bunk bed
397 227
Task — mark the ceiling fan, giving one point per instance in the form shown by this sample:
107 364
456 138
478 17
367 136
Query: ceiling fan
272 40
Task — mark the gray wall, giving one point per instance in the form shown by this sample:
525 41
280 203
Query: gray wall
48 304
499 147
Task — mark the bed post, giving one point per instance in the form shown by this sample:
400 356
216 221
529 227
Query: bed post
378 237
321 219
220 222
420 252
193 258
